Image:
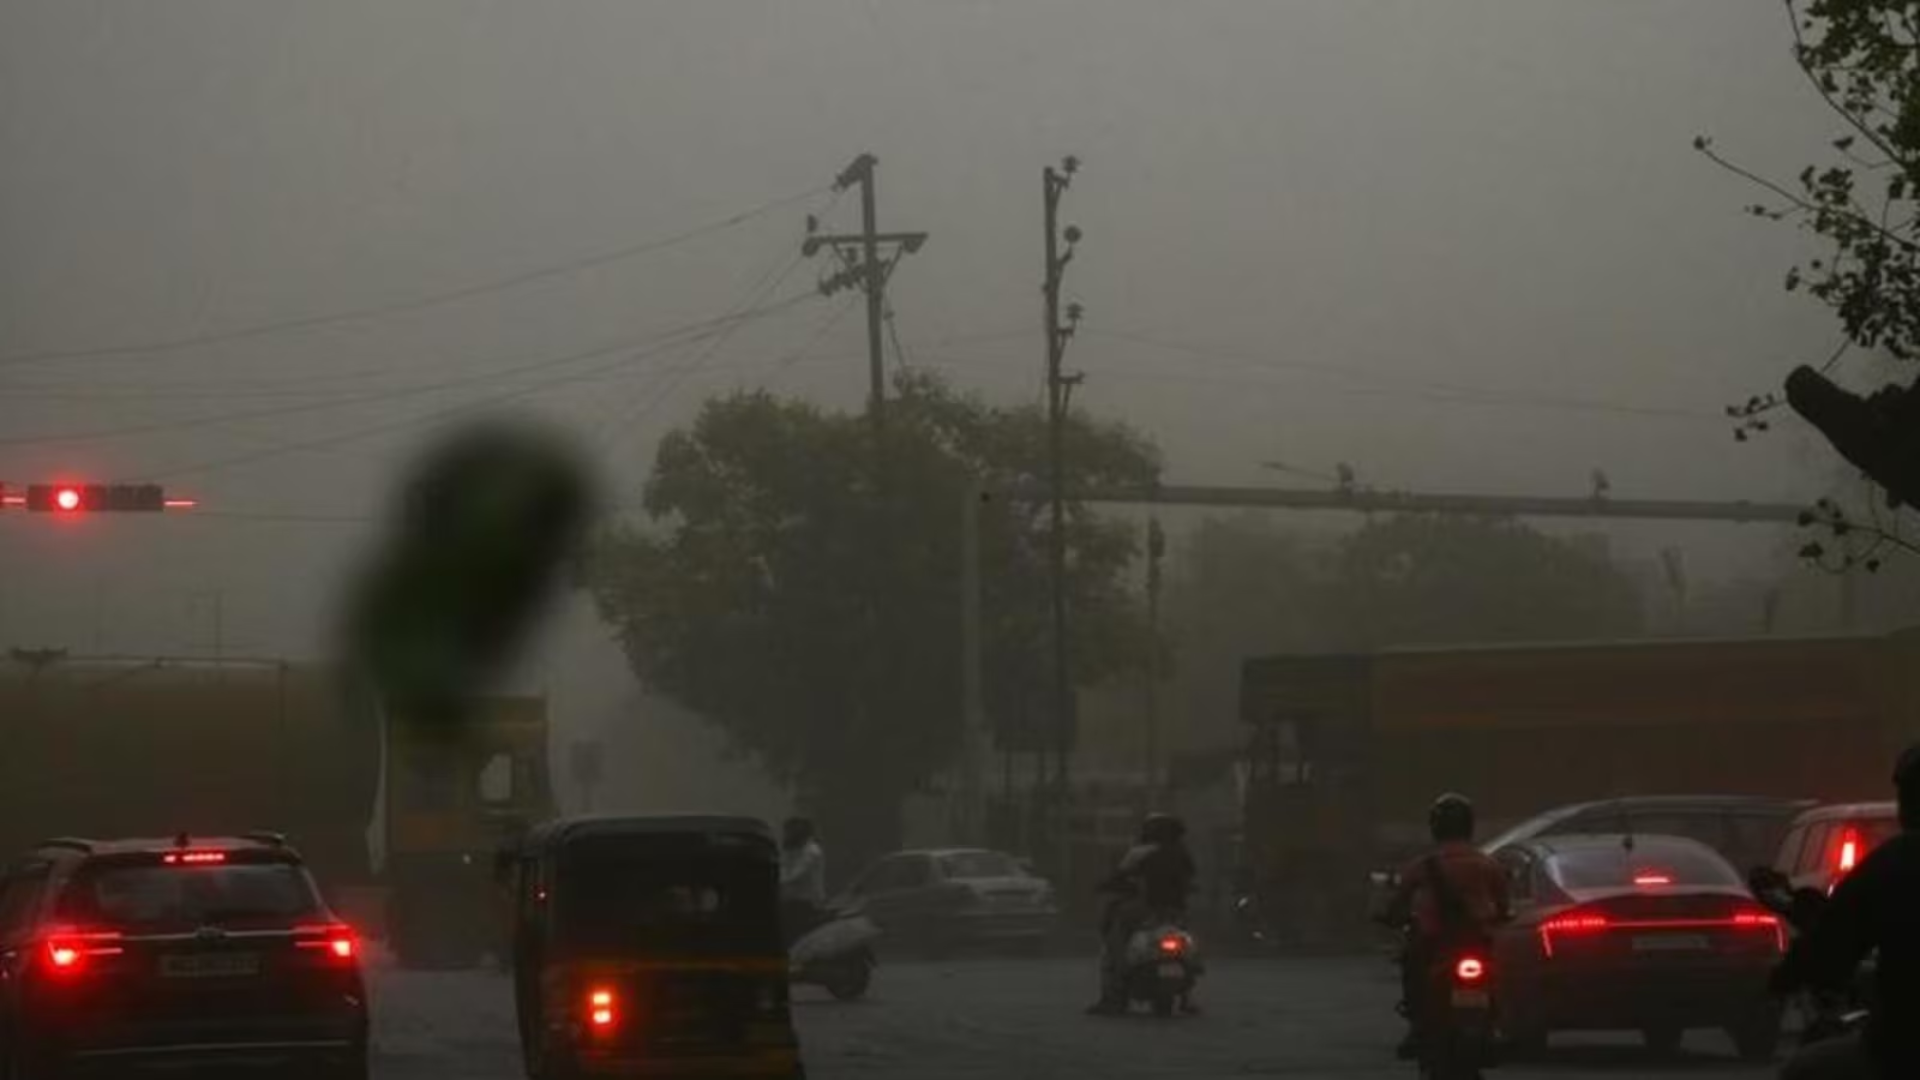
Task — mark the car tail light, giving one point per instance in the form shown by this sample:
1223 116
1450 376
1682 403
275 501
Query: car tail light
1648 880
1172 945
1848 856
601 1014
1570 924
194 858
1470 969
70 952
1761 920
335 940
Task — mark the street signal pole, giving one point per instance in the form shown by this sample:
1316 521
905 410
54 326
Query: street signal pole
1059 389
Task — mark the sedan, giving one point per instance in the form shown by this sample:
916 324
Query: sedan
940 899
1655 934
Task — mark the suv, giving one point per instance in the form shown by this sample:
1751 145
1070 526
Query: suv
1828 841
194 951
1744 829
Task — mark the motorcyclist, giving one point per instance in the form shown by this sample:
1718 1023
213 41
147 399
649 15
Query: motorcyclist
1153 879
803 876
1876 906
1477 885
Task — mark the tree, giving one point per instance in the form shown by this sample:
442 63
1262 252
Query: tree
1432 579
763 597
1862 57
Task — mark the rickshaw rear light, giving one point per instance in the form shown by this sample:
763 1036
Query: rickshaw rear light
1470 969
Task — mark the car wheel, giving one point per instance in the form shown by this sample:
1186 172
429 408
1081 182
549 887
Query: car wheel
1662 1040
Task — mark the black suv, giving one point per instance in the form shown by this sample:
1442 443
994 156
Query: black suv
192 951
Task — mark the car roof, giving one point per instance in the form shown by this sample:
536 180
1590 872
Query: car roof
136 845
1576 843
1885 808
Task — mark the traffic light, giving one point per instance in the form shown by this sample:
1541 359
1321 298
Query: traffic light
92 498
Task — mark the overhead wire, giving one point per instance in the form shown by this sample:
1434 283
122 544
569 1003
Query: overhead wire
387 394
399 307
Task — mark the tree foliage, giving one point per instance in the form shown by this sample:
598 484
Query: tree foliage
818 626
1862 57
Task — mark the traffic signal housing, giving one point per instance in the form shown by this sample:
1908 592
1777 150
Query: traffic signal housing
96 498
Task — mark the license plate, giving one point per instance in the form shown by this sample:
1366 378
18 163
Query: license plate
1670 943
1173 971
210 965
1471 999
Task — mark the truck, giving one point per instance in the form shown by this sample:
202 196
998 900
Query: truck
1344 752
129 746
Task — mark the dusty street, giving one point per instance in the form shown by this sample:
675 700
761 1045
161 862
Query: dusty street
1020 1018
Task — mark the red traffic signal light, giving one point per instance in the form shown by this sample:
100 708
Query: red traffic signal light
93 498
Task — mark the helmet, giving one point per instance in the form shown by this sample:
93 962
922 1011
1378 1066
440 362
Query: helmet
1906 771
1159 828
1451 817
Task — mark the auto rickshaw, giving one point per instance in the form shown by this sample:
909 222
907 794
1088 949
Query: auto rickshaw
650 946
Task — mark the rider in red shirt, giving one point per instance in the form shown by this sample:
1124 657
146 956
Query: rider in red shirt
1476 881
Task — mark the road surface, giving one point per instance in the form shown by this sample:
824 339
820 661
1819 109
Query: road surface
1013 1019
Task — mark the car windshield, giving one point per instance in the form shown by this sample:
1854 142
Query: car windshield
1646 864
641 903
148 898
979 864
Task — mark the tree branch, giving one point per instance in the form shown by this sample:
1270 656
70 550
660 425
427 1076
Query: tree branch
1799 60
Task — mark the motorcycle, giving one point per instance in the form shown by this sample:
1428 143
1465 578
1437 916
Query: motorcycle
836 953
1454 1029
1162 967
1824 1015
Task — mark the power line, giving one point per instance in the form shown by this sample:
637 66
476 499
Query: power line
238 460
1436 391
696 330
420 303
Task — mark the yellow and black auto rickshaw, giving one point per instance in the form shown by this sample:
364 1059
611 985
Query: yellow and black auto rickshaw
650 946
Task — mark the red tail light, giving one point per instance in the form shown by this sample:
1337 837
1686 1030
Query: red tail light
69 952
600 1009
1570 924
1646 880
194 858
1469 969
336 940
1171 944
1849 854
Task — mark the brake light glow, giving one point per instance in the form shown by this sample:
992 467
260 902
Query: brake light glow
68 952
1470 969
1171 944
193 858
1590 922
1849 854
336 941
1645 880
600 1012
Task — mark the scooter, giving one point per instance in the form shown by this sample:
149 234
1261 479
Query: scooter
1824 1016
1455 1027
835 953
1162 966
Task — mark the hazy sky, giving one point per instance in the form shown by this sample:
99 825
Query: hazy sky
1462 245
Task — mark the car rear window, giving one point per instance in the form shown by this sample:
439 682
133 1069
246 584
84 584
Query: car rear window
1616 867
979 864
147 897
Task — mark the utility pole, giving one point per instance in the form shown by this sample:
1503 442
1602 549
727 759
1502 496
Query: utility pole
1156 550
973 710
1059 388
861 265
